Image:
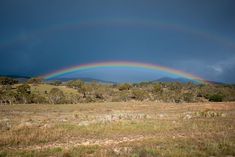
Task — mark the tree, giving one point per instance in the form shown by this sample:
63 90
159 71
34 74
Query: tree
80 86
216 98
56 96
76 84
23 93
23 89
7 81
56 83
35 80
7 97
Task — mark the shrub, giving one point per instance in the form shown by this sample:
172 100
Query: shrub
56 96
35 80
56 83
76 84
139 95
37 99
124 86
157 88
7 97
188 97
89 99
216 98
123 96
23 94
23 89
7 81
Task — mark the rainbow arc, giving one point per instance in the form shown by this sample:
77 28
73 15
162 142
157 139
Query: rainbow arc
124 64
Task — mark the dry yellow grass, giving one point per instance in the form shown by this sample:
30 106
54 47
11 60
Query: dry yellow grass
118 129
41 88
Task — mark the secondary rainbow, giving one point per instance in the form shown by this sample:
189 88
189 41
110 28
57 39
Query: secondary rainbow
142 23
124 64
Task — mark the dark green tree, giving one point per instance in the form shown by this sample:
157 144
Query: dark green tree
7 81
7 96
23 93
216 98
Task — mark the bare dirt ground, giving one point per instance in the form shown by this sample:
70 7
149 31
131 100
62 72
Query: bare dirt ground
118 129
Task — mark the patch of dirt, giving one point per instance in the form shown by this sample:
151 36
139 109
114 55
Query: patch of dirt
73 142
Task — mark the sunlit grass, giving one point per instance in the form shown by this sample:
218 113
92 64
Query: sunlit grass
164 130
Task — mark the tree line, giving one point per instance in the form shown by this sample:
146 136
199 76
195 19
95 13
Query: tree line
13 92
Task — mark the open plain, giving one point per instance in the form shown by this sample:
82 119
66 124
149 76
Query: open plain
138 129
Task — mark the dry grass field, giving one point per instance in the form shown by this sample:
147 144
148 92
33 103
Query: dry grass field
136 129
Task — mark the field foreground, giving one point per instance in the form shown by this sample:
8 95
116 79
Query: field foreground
138 129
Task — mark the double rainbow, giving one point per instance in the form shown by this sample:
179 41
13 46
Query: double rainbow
125 64
133 23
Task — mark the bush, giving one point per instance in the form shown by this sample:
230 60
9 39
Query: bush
139 95
124 86
157 88
188 97
56 96
76 84
35 80
23 94
56 83
7 81
37 99
216 98
123 96
7 97
23 89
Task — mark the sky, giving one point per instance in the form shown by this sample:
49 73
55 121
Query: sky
195 36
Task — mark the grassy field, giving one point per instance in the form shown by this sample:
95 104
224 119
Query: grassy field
136 129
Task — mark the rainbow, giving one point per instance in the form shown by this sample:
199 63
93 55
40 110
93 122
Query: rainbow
124 64
142 23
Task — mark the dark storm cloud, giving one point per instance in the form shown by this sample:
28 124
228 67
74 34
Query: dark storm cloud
197 36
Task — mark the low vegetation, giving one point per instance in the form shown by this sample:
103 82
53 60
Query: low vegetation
75 119
77 91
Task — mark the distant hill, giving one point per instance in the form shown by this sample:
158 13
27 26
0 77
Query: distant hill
85 79
183 80
169 79
20 78
163 79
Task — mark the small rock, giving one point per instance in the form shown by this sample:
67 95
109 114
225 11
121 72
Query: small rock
84 123
47 126
64 120
86 143
187 116
24 124
117 151
223 115
161 115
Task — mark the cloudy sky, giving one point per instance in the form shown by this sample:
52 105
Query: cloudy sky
41 36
